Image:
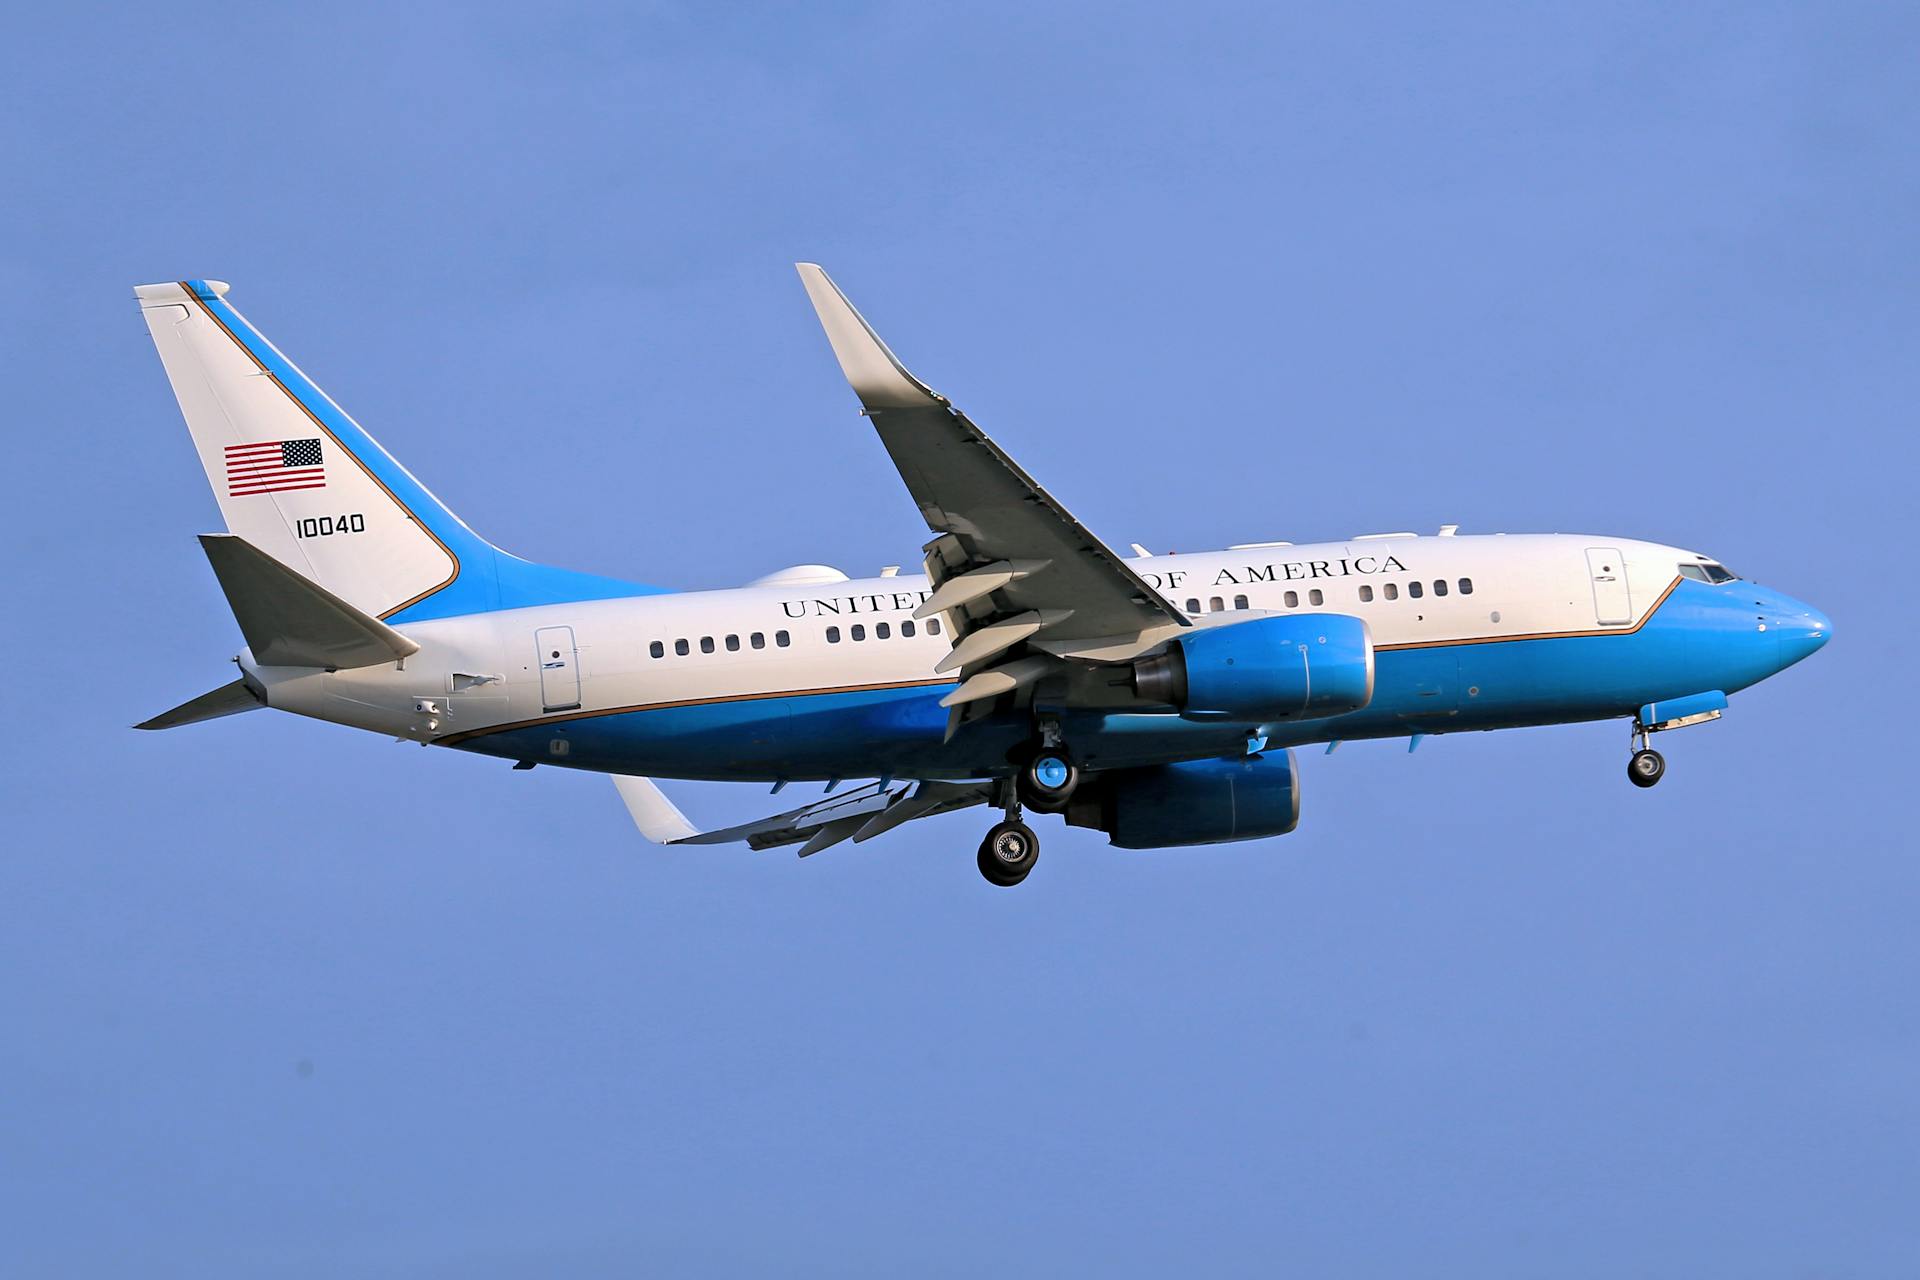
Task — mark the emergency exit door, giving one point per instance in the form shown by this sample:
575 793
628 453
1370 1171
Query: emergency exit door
1612 604
559 668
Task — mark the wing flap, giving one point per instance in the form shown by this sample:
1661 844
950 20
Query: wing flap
858 814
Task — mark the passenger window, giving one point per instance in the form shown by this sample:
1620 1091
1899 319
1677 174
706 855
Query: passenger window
680 647
1315 597
706 644
833 635
858 630
933 626
906 629
1466 586
1439 586
1240 602
1366 595
1390 590
782 639
1216 604
1415 590
1193 605
733 644
758 639
881 631
657 649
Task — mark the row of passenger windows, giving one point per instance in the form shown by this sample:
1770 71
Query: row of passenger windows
882 630
784 640
758 640
1316 597
1391 590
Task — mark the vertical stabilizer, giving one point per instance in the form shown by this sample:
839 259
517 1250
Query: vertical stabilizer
301 481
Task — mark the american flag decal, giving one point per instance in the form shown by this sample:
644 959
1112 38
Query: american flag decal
274 467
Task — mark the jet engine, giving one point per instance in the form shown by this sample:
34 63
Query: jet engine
1302 666
1194 802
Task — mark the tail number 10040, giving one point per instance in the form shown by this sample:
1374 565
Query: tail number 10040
327 526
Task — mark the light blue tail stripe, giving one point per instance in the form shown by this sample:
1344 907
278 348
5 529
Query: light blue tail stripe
488 578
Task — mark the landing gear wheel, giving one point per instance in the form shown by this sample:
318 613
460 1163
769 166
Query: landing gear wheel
1047 781
1008 854
1646 768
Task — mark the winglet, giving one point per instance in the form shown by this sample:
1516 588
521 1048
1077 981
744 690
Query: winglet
877 376
658 818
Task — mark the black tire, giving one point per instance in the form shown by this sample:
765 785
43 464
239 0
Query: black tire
1646 767
990 869
1047 781
1008 853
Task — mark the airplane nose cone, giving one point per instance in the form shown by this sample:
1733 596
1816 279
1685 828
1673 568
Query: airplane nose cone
1801 631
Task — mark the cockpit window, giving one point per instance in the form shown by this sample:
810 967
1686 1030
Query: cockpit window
1708 571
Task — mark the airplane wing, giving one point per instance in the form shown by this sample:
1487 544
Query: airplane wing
857 814
1009 564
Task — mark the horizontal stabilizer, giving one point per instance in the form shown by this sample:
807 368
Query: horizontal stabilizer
227 700
291 622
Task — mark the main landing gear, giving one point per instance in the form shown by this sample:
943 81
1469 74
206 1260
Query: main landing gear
1009 852
1044 783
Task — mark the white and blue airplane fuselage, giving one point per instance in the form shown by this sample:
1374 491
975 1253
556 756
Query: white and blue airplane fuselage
1152 697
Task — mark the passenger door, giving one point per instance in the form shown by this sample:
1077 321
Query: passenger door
559 668
1612 603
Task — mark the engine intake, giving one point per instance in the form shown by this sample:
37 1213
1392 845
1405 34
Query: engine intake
1303 666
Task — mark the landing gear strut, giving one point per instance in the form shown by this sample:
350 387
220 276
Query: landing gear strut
1044 784
1010 849
1646 766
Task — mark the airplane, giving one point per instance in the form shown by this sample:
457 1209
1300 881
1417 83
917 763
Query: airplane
1029 668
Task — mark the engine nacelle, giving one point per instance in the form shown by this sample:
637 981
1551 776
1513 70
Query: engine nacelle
1194 802
1302 666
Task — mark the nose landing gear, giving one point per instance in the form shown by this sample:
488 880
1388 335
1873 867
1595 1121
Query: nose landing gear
1646 766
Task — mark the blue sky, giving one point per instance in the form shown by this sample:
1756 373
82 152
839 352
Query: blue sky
280 998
